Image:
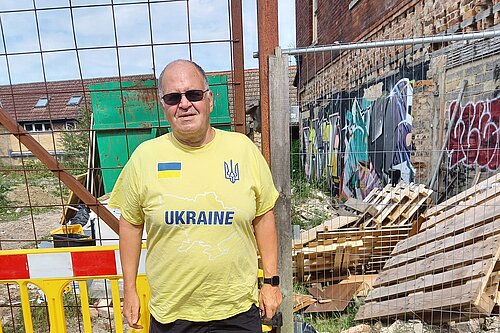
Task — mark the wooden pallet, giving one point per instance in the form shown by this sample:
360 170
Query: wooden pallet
447 272
361 244
393 205
478 195
343 252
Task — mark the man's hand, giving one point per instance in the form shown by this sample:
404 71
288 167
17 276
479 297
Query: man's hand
269 300
132 308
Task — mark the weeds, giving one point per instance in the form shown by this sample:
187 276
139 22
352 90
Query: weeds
335 322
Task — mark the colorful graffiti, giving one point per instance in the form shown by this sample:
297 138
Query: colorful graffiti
475 136
356 145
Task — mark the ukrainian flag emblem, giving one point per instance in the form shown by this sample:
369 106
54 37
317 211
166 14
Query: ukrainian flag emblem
169 169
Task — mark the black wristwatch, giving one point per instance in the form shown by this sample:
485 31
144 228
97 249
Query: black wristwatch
273 281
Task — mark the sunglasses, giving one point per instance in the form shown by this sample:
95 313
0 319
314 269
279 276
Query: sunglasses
191 95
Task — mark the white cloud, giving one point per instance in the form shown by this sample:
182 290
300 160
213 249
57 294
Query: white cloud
61 66
98 63
169 22
94 26
132 24
25 68
56 34
136 60
20 32
213 56
16 4
209 20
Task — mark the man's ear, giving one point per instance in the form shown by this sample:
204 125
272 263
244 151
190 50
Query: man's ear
211 101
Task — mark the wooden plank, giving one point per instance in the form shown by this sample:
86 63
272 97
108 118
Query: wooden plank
333 224
490 210
346 259
471 202
371 195
422 198
338 297
445 244
468 254
439 300
302 301
279 154
463 195
337 264
357 205
362 233
299 262
433 281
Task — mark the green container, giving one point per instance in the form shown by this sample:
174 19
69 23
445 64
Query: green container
128 113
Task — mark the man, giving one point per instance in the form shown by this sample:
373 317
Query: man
206 199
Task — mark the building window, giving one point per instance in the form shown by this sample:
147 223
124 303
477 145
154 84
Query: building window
70 125
352 4
37 127
42 102
315 22
74 100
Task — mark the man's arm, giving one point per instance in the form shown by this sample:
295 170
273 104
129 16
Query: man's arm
267 242
130 252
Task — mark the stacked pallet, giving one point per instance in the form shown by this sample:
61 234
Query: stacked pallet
359 244
449 270
393 206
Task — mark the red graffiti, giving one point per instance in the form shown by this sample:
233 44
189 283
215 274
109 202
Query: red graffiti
475 135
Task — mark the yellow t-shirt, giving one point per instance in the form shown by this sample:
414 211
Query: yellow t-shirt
198 205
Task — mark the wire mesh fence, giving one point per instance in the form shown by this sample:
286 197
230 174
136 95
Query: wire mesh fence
78 77
395 181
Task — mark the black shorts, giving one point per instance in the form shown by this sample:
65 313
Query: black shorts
246 322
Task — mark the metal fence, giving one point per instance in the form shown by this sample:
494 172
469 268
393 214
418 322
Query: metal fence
395 180
78 93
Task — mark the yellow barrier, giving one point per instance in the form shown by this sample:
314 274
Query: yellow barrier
40 267
52 271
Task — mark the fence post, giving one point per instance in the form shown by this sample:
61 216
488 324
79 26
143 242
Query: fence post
279 118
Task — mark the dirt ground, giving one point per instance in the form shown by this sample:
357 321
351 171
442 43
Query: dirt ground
31 226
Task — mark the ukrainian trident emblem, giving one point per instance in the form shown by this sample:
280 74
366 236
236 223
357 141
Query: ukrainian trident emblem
231 173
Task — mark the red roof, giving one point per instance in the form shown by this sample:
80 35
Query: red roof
19 100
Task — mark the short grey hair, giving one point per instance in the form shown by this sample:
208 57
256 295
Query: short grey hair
198 68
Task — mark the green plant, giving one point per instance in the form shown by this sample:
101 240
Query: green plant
299 288
76 144
36 170
335 322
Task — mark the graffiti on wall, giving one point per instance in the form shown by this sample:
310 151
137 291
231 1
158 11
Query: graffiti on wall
475 135
357 144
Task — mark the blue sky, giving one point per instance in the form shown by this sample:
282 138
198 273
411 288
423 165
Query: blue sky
82 41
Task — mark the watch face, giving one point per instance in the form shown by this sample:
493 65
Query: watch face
273 281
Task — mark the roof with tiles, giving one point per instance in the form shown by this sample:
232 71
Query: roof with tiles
19 100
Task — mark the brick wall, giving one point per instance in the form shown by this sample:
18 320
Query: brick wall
387 20
439 68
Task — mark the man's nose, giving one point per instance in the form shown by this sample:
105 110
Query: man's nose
184 103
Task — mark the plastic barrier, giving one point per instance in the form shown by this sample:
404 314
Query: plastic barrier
53 271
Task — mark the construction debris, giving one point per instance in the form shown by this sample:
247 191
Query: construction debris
449 270
335 297
359 244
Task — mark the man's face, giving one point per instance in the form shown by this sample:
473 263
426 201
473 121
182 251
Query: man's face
190 121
